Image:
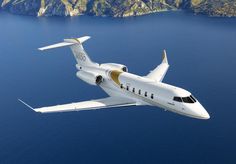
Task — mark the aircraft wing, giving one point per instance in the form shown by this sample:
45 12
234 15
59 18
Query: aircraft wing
108 102
160 71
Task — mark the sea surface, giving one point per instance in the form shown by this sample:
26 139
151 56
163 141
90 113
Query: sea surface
202 57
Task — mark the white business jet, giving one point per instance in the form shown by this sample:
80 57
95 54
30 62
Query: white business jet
123 88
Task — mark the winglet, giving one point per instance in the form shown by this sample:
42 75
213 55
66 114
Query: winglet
26 104
164 57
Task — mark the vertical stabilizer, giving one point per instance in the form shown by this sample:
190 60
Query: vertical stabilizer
81 56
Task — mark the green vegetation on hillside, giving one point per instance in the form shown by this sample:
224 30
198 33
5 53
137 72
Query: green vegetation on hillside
214 7
116 8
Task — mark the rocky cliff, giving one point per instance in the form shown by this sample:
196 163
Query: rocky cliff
116 8
214 7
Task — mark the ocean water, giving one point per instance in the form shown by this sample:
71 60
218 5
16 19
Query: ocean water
202 58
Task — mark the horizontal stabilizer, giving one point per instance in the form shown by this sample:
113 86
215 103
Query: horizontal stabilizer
67 42
58 45
77 40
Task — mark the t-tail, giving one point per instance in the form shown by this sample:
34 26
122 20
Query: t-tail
76 47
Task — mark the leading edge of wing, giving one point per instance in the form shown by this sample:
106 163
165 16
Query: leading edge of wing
108 102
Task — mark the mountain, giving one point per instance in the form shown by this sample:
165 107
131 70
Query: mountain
116 8
214 7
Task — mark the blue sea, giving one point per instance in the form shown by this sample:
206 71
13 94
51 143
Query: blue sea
202 57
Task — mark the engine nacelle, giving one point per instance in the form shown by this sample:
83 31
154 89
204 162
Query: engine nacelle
114 66
90 77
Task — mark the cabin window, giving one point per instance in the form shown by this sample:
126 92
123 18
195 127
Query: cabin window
121 86
139 91
127 88
152 96
133 90
145 94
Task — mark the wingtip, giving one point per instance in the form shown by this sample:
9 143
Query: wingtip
88 36
40 49
26 104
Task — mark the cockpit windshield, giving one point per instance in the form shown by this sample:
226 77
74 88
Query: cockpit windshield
189 99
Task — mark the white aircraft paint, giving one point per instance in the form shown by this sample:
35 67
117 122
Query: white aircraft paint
125 89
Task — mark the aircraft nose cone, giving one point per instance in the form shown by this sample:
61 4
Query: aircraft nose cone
205 115
201 112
